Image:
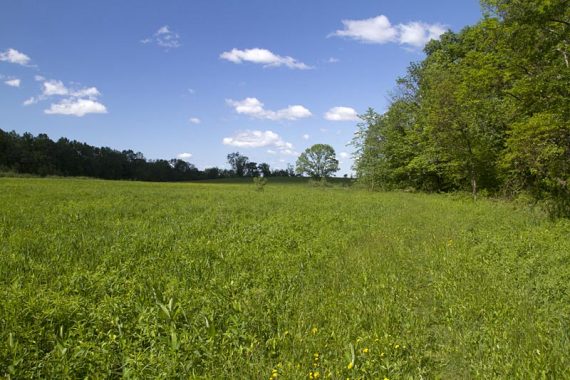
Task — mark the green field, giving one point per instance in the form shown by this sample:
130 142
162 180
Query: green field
109 279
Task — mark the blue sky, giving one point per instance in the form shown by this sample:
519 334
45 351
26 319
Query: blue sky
200 79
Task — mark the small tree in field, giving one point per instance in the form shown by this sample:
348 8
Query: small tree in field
318 161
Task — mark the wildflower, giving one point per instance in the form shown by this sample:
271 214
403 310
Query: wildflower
365 350
314 330
381 354
386 378
397 346
316 375
350 365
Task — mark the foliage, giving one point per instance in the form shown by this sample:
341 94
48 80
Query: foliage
463 117
260 183
318 161
538 156
116 279
238 162
41 156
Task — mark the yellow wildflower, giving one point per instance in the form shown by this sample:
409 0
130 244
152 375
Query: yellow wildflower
314 330
365 350
350 365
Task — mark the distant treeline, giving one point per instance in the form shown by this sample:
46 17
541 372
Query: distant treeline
42 156
488 110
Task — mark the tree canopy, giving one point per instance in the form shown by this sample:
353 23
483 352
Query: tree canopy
318 161
42 156
487 109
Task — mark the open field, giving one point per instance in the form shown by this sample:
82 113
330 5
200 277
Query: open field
112 279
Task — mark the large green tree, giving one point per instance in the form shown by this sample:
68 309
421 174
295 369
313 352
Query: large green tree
238 162
318 161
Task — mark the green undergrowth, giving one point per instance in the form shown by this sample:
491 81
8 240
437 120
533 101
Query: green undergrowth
106 279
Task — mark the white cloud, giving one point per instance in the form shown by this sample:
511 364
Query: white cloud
164 37
39 78
194 120
263 57
30 101
55 87
379 30
13 82
260 139
89 92
333 60
306 136
253 139
76 107
341 114
417 34
344 155
184 156
78 102
254 108
14 56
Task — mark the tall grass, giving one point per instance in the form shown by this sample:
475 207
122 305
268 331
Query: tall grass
112 279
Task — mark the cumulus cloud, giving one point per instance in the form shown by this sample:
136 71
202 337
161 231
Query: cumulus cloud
164 37
54 87
306 136
88 92
255 108
76 107
184 156
379 30
260 139
73 101
14 56
263 57
417 34
30 101
341 114
77 102
194 120
13 82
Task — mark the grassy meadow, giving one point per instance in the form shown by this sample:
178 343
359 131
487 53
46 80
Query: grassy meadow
106 279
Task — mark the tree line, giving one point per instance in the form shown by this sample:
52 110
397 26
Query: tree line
488 109
39 155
